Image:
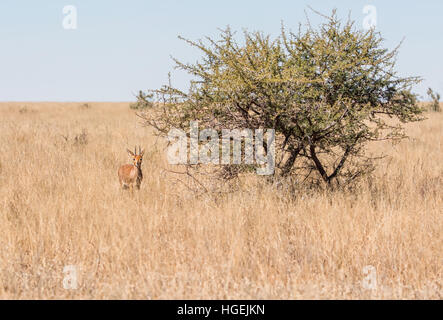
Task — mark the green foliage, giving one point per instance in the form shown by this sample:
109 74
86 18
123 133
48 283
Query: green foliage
326 92
435 97
143 102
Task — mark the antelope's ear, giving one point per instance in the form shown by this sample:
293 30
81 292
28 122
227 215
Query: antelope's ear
142 153
130 152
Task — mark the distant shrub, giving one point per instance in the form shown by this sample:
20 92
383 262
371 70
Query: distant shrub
435 103
79 139
85 106
23 109
143 102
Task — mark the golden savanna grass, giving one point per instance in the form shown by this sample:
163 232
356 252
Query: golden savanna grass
60 205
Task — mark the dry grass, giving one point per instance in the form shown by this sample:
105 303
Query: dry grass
60 205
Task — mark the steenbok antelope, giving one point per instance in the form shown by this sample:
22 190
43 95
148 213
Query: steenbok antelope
131 174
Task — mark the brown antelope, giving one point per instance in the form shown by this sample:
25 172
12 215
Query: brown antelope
131 174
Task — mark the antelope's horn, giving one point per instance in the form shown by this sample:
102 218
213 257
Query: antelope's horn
135 150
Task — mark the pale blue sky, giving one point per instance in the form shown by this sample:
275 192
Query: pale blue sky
121 47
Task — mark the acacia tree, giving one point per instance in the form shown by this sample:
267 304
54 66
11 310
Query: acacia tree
326 91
